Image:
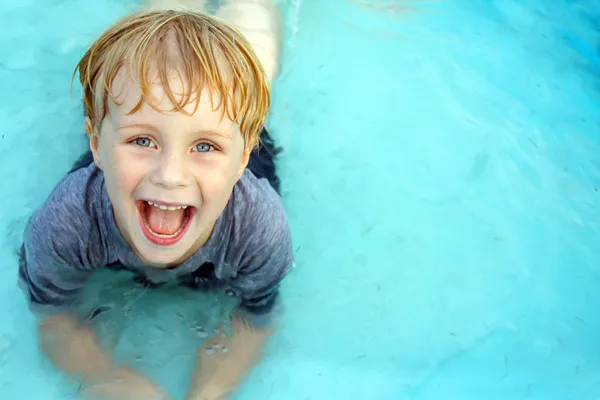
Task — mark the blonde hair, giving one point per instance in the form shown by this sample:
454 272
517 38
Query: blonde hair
205 51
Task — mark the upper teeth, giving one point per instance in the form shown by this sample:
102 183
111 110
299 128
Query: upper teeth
163 207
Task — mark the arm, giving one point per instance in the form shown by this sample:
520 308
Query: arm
72 345
218 372
260 22
56 260
264 242
74 348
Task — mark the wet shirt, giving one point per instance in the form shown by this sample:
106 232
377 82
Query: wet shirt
74 233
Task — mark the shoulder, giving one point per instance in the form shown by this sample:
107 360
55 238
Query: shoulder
66 220
260 218
61 244
261 247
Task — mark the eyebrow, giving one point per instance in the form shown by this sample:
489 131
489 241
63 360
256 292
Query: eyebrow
134 125
212 132
217 132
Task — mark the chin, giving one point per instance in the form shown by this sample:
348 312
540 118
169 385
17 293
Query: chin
160 257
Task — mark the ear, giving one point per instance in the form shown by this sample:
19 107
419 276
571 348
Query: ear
245 160
94 141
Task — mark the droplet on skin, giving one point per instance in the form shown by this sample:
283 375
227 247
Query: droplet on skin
224 349
209 350
202 334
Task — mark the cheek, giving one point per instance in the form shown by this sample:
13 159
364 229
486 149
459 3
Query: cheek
125 182
217 181
124 171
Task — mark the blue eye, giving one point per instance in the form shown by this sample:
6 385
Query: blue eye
204 147
144 142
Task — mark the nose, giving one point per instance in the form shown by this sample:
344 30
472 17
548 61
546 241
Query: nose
171 172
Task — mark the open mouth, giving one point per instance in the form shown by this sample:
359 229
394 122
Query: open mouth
164 224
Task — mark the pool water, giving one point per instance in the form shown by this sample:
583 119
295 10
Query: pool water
441 173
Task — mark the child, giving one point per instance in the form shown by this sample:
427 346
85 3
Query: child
173 189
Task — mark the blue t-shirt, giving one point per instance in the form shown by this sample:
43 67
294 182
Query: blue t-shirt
74 233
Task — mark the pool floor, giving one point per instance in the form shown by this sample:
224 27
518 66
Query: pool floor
441 173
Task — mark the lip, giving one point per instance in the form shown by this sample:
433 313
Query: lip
160 240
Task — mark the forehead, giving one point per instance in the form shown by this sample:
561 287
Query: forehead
162 99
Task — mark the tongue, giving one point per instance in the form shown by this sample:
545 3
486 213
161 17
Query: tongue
164 222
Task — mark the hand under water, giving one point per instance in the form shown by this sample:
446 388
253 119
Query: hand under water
123 384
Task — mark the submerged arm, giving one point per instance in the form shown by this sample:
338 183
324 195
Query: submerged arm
74 348
222 363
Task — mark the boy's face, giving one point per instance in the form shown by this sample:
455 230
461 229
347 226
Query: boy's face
168 175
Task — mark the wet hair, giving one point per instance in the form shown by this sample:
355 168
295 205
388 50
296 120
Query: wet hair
203 51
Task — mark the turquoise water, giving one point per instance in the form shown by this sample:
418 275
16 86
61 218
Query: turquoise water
441 174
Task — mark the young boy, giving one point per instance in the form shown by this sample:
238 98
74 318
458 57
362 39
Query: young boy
174 188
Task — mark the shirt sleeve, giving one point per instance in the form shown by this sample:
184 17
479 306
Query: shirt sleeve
54 259
267 261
